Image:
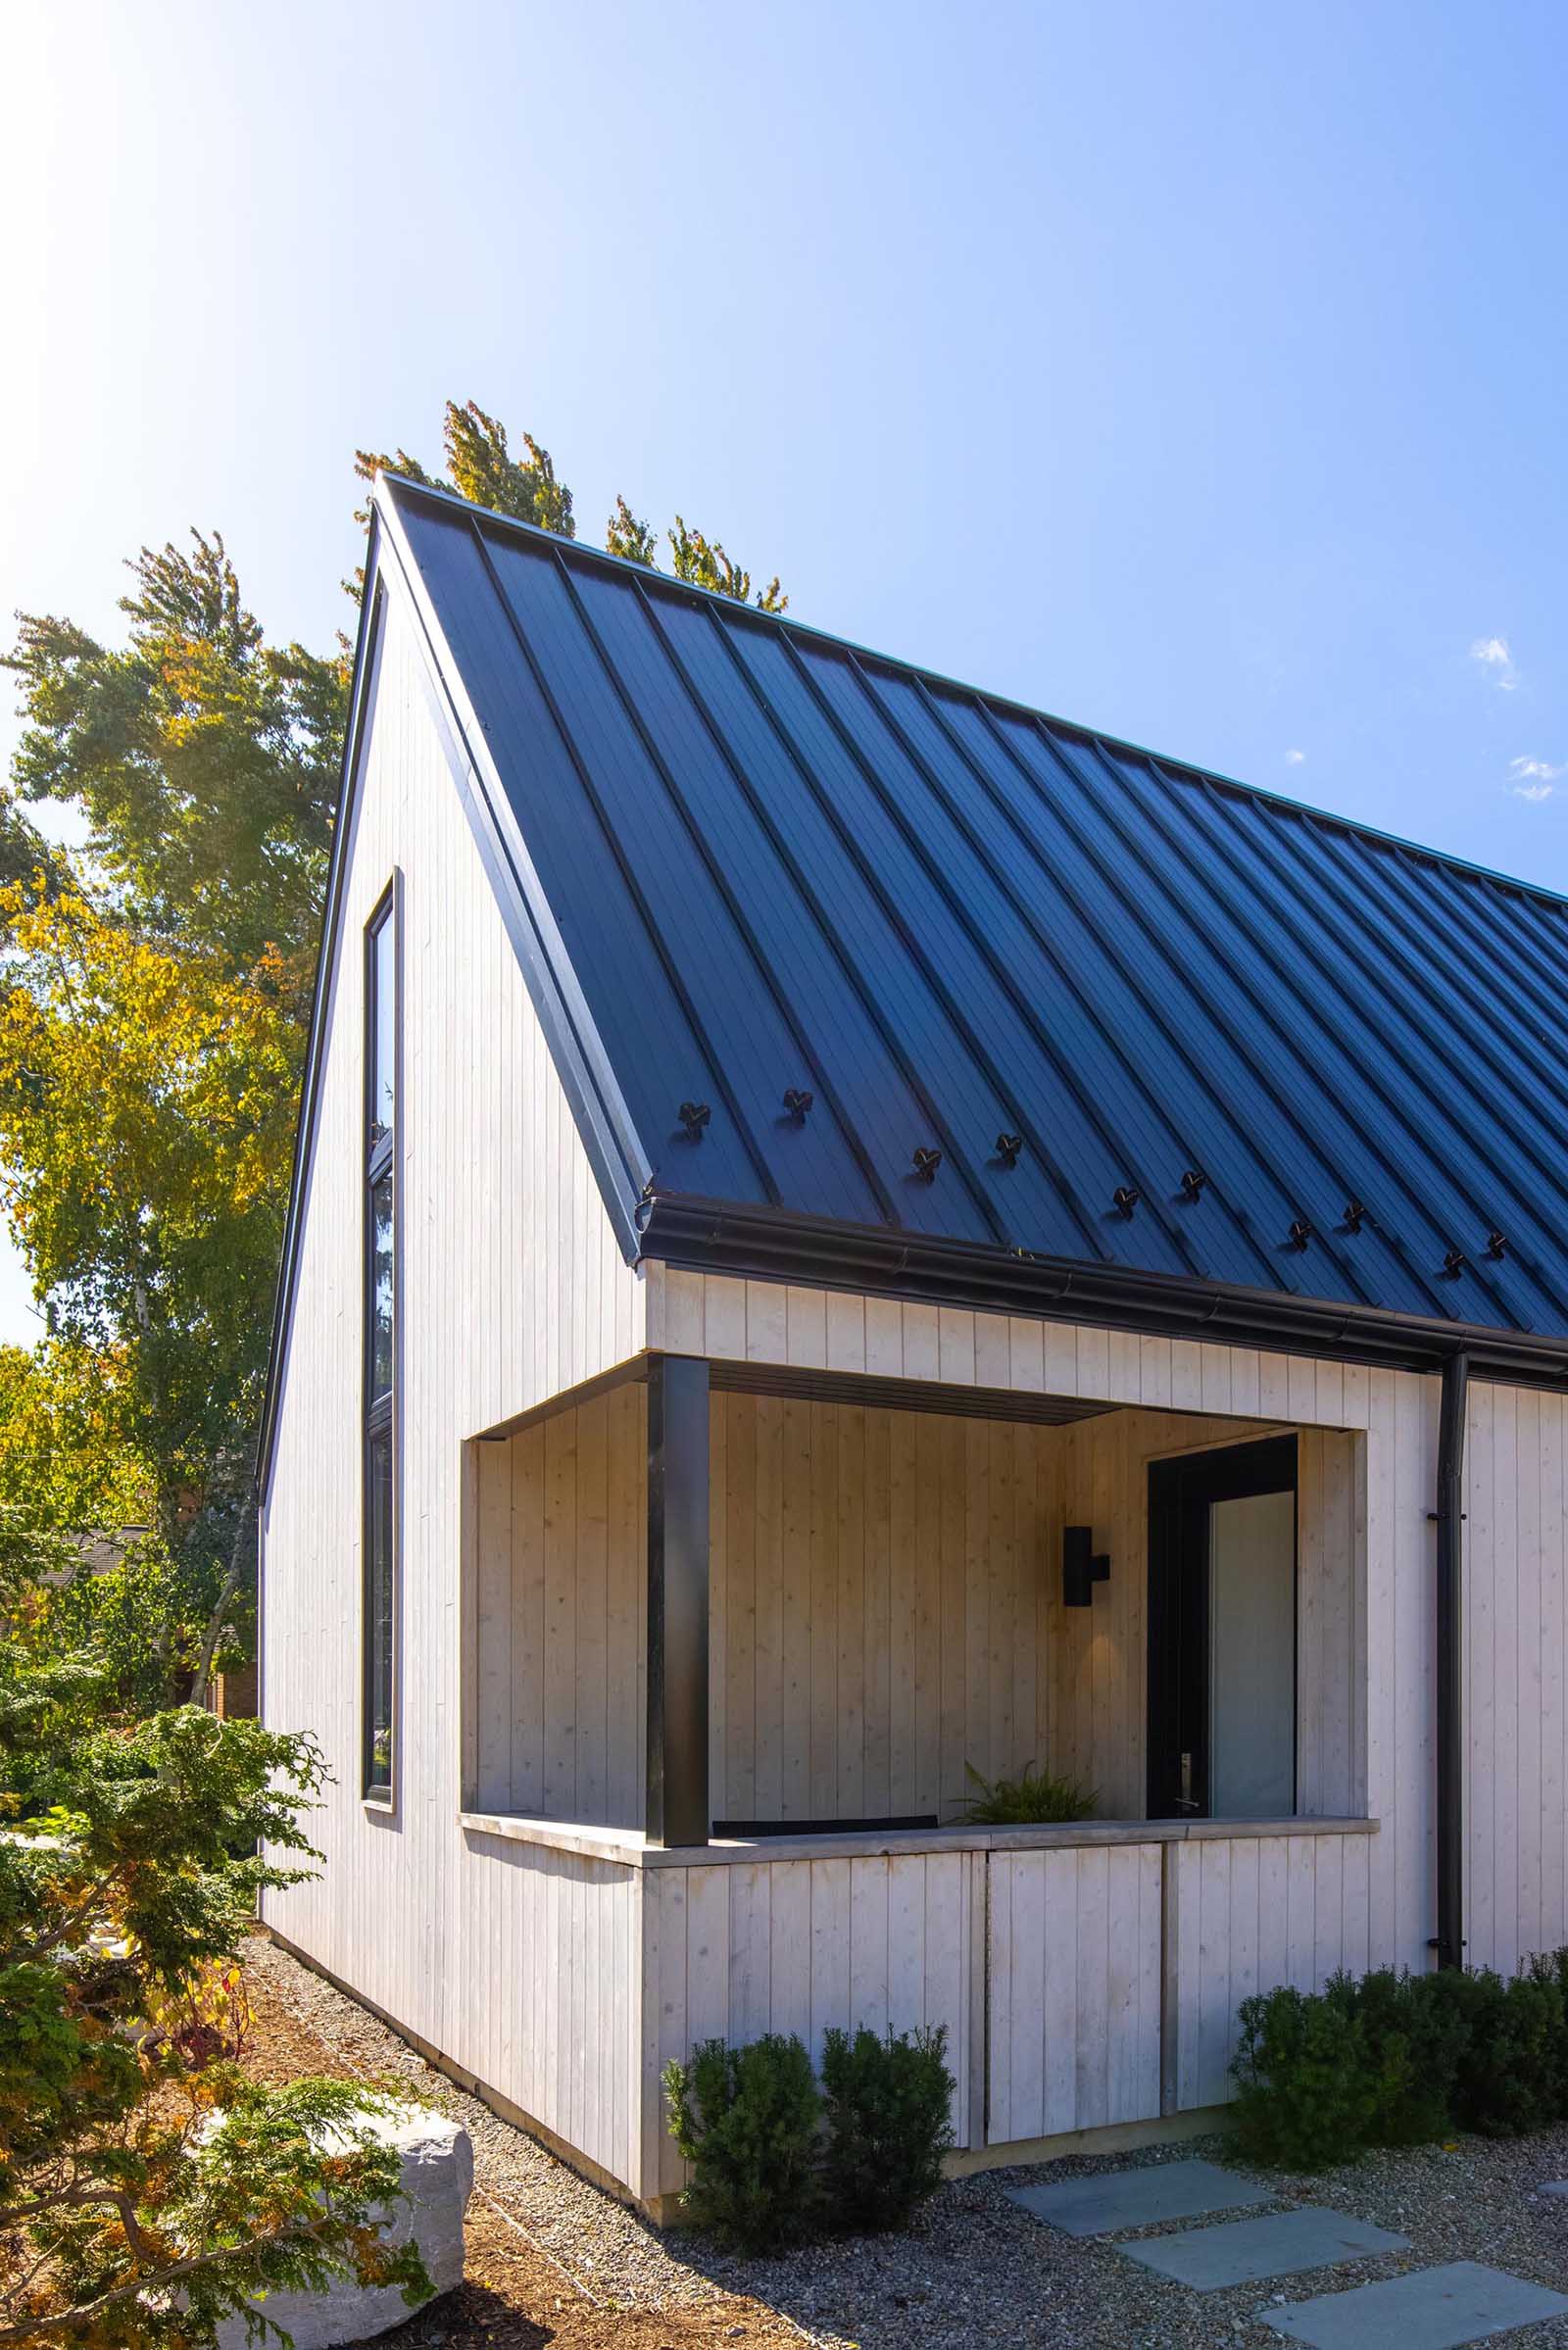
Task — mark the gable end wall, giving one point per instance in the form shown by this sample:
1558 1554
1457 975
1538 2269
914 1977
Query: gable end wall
512 1287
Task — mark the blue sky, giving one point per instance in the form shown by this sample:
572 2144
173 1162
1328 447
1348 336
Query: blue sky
1194 371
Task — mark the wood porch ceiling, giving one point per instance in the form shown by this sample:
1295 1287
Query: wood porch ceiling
902 1394
827 1386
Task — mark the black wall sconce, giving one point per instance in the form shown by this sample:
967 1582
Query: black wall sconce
1081 1569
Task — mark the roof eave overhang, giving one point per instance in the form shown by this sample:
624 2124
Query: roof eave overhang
715 1236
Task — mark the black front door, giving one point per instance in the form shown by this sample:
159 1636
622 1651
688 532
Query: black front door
1222 1634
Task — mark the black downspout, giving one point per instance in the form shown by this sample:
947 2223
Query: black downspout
1449 1514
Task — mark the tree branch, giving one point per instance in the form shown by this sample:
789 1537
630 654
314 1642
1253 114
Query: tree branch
81 2319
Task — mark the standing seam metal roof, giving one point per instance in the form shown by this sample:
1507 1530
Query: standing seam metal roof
1148 1019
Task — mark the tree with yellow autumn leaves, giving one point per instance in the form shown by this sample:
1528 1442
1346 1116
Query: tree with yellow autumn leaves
154 1009
155 992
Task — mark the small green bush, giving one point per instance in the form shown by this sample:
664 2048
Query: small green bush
1304 2095
1034 1799
888 2124
748 2121
1511 2069
1397 2060
1551 1968
1414 2045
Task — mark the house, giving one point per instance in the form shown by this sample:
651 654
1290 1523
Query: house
845 1230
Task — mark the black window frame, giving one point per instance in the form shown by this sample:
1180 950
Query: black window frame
380 1514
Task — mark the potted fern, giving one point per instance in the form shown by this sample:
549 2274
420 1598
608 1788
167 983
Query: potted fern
1034 1799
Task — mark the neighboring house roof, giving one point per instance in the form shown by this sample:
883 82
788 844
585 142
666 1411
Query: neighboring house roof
102 1552
1153 1032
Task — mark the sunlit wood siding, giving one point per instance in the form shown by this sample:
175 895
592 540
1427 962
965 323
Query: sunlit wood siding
1074 1960
1382 1573
736 1949
1244 1916
1516 1874
511 1286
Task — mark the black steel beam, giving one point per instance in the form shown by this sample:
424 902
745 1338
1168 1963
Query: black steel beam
1450 1650
678 1811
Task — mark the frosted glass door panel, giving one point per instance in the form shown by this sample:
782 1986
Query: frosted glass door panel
1252 1620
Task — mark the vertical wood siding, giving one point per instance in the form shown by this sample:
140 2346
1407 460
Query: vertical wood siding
510 1286
1248 1915
558 1690
734 1950
1392 1559
887 1607
554 1942
1516 1835
1074 1957
885 1604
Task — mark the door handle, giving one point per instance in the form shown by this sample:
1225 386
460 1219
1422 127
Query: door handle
1185 1800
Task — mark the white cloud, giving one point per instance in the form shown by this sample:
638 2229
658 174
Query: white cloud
1492 652
1295 758
1533 770
1533 790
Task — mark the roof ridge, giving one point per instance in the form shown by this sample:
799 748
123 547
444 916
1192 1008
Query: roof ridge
1178 768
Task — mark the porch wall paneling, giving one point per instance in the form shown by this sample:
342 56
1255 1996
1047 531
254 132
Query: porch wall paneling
886 1609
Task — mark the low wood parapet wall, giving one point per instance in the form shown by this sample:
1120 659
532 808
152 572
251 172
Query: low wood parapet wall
1088 1976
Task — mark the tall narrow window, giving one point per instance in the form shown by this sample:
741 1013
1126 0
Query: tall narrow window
379 1600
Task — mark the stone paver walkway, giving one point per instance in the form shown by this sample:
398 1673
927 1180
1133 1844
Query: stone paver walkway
1141 2198
1427 2309
1281 2243
1431 2309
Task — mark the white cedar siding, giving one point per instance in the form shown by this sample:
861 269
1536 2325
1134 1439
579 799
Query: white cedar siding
555 1695
885 1610
498 1214
1074 1959
886 1607
1516 1880
737 1950
1246 1916
1516 1616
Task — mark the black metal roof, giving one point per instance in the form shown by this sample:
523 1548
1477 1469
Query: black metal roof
856 975
1045 992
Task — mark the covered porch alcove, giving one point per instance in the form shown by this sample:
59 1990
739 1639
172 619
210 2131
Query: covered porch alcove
736 1637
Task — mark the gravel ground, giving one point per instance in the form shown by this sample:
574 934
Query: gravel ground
569 2266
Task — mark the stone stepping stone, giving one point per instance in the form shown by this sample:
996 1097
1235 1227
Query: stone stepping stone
1141 2198
1278 2244
1431 2309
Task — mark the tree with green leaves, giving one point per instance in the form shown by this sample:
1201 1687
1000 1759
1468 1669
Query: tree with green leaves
148 2189
155 1004
146 1121
204 758
63 1454
480 467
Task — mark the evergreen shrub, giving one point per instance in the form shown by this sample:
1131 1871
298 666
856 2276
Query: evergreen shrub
1399 2060
888 2107
779 2159
748 2121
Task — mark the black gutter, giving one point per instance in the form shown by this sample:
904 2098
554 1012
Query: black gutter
1449 1513
777 1245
